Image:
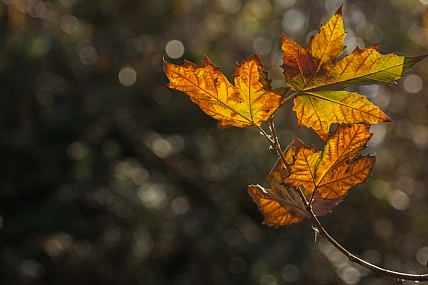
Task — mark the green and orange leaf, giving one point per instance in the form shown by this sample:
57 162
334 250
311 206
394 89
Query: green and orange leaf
247 103
319 80
318 110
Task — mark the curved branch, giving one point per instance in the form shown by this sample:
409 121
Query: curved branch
352 258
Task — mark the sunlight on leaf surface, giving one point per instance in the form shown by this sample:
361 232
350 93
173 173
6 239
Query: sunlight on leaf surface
247 103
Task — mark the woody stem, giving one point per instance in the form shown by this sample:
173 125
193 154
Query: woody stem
273 141
352 258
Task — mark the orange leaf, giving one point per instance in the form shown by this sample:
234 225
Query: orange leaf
281 204
338 167
247 103
318 79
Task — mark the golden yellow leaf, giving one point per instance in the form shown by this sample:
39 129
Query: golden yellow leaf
339 179
319 109
338 167
247 103
318 80
328 44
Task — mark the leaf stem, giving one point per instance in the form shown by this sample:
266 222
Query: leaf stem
291 96
352 258
273 141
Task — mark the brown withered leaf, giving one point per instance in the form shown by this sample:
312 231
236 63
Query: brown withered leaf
281 204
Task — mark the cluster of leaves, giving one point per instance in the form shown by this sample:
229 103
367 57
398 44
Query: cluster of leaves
316 79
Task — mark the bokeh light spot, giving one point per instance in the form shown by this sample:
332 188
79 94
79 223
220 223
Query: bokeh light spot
53 248
290 273
77 151
268 279
413 83
237 265
174 49
127 76
161 148
152 196
45 97
69 24
262 45
139 176
420 136
180 205
39 46
229 6
88 55
349 274
399 200
33 269
285 3
380 188
293 21
422 255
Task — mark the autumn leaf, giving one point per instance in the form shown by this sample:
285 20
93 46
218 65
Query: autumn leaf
281 204
247 103
336 169
318 80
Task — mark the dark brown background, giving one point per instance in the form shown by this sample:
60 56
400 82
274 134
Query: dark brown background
108 184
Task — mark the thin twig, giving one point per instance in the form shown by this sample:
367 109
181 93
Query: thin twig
353 258
274 142
312 197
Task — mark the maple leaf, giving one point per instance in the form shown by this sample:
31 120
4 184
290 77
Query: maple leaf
247 103
318 79
336 169
281 204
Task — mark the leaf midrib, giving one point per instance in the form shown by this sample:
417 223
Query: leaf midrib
212 96
338 83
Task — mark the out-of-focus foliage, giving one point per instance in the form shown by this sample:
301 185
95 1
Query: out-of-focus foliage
105 182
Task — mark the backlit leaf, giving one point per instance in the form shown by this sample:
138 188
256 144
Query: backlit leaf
281 204
336 169
319 109
247 103
318 79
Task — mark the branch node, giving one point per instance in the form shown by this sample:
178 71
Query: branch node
317 232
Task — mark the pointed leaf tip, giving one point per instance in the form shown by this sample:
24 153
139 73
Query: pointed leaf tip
376 46
415 59
339 11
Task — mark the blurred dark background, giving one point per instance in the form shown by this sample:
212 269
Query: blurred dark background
109 177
